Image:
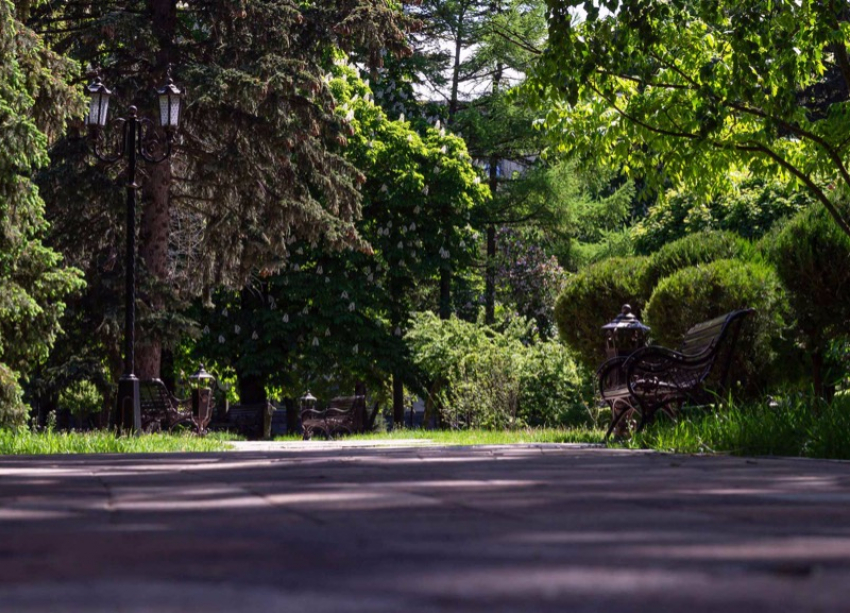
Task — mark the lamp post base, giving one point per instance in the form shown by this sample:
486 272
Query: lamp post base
128 411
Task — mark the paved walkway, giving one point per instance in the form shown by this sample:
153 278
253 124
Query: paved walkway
513 529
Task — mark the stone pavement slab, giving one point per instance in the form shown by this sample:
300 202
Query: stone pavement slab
336 529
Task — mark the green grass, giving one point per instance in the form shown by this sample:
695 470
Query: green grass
481 437
797 426
26 442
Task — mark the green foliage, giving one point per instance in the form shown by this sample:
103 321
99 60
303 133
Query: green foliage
81 398
35 102
592 298
688 93
331 317
482 377
552 390
693 250
583 213
13 412
260 160
699 293
750 210
795 426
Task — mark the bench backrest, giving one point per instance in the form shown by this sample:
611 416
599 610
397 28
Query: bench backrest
704 343
355 405
154 396
705 337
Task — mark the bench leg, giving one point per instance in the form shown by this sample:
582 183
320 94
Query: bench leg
617 418
648 414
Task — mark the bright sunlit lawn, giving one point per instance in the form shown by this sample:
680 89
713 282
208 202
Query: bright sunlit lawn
481 437
26 442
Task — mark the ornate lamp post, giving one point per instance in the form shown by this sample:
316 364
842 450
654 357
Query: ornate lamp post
138 140
201 383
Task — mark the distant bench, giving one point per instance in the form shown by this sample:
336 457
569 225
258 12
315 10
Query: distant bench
655 378
343 415
162 411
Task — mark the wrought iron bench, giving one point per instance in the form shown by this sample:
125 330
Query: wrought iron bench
655 378
162 411
343 415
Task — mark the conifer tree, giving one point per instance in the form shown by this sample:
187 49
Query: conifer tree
256 163
35 103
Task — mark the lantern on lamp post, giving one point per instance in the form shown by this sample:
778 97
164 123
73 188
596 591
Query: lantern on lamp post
624 334
99 96
170 99
308 402
138 140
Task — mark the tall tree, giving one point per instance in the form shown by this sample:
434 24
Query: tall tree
330 317
500 130
255 163
35 103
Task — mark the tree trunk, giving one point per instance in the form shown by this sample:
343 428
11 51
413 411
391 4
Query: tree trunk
817 372
453 101
445 292
293 417
156 214
490 280
398 401
153 250
252 389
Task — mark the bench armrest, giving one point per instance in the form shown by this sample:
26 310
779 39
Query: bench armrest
654 358
654 370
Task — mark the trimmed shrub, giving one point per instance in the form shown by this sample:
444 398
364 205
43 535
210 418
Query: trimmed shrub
698 293
812 257
700 248
592 298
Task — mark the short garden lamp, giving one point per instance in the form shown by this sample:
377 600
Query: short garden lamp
308 401
201 383
624 334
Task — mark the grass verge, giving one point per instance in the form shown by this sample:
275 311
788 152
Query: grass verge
26 442
482 437
798 427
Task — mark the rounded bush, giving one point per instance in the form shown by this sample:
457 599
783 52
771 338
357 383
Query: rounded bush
699 293
700 248
812 257
592 298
